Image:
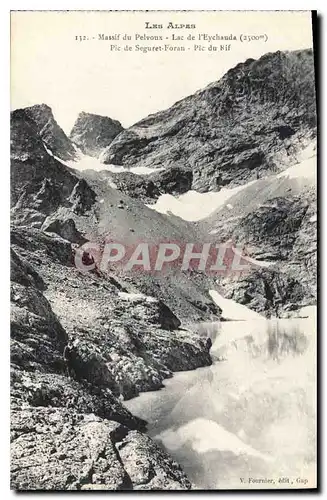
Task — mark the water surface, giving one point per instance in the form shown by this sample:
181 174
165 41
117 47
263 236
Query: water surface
248 417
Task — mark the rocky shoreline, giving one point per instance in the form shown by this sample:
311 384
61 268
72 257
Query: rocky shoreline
74 433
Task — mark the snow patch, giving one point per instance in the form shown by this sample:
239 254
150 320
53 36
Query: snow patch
85 162
144 170
136 297
194 206
232 310
305 167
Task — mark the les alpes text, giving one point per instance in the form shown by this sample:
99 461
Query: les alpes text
170 25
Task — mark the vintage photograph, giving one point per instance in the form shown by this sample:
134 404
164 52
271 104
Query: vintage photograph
163 250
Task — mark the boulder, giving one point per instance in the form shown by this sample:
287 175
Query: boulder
64 228
151 310
61 449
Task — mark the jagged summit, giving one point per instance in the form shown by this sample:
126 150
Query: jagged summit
50 132
92 133
233 131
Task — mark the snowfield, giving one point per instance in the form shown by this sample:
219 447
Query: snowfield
305 167
232 310
194 206
85 162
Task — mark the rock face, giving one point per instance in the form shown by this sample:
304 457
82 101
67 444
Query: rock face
40 185
271 292
92 133
148 187
233 131
275 221
141 187
71 432
58 449
49 131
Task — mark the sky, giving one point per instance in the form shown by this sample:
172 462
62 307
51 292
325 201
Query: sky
48 64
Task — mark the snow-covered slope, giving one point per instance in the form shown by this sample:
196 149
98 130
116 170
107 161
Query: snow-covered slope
194 206
231 310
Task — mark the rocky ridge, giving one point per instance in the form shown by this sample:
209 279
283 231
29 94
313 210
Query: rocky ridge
52 135
92 133
233 131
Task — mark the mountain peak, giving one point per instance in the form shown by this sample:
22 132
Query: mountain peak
232 131
92 133
51 133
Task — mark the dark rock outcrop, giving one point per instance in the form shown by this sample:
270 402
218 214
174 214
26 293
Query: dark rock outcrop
141 187
70 430
275 222
232 131
49 131
36 335
271 292
152 310
148 187
40 185
92 133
